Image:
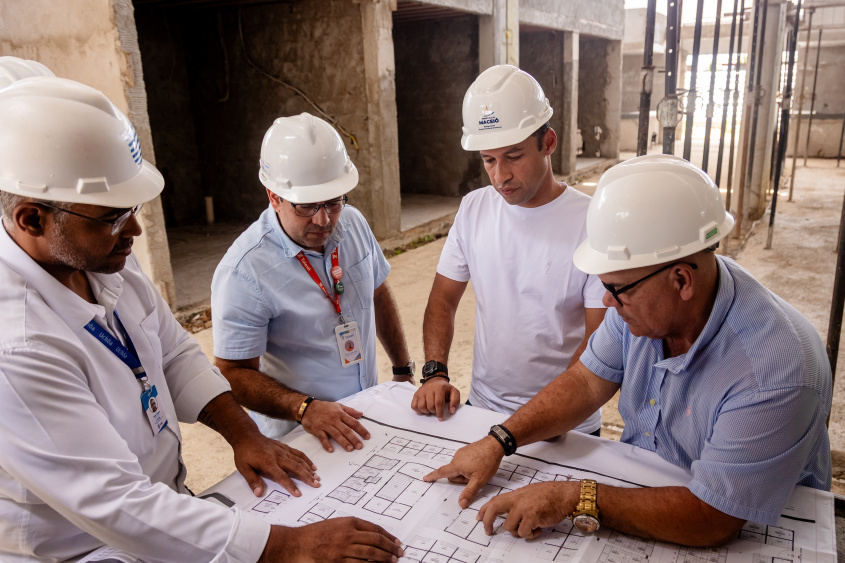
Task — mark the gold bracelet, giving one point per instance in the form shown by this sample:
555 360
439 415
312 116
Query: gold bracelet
302 409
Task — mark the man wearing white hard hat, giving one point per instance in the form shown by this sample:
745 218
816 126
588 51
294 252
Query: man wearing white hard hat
95 372
716 374
301 296
515 240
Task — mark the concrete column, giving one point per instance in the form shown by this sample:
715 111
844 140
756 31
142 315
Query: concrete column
609 146
569 132
151 247
382 159
755 192
498 35
95 42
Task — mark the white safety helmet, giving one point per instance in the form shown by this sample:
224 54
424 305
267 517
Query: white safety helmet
650 210
503 107
13 69
64 141
303 160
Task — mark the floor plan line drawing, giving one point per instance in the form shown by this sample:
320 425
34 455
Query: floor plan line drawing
320 512
429 550
516 455
769 535
407 447
271 502
561 543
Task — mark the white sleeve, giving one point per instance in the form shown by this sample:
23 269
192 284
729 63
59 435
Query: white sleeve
53 434
593 293
453 261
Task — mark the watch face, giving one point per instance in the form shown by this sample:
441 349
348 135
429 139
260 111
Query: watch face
430 368
413 366
586 523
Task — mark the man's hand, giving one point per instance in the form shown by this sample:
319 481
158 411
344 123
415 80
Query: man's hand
531 508
474 465
433 395
337 539
257 456
325 420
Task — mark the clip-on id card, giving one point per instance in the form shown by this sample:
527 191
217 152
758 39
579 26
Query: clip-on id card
349 344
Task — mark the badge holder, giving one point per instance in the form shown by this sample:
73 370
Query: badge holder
349 344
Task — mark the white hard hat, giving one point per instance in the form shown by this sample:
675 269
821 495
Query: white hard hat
13 69
650 210
503 107
63 141
303 160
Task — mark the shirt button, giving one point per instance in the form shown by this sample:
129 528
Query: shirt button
648 433
652 402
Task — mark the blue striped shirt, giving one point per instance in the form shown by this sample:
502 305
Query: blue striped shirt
744 409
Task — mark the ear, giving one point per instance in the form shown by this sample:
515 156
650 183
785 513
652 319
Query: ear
30 218
549 142
684 281
275 200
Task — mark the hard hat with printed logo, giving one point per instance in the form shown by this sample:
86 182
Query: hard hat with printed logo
64 141
13 69
303 160
650 210
503 107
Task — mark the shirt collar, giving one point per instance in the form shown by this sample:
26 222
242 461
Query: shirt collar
74 311
721 306
291 249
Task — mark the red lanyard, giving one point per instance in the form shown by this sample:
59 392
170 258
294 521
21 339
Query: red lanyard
335 268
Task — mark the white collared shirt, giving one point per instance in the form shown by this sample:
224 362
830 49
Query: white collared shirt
79 464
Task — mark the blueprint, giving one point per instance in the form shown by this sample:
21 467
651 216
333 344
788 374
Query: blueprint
383 483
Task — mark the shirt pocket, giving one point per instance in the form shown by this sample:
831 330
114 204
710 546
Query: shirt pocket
361 276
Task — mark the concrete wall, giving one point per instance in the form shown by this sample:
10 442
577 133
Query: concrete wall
542 58
436 61
599 18
94 42
600 95
317 46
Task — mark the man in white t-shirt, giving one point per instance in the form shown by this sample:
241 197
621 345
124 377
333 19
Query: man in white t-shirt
515 239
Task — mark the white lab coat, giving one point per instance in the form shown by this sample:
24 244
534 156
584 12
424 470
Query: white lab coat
79 465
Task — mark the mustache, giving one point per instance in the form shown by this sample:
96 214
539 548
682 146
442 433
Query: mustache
123 245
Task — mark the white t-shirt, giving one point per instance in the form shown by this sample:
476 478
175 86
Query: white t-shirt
530 298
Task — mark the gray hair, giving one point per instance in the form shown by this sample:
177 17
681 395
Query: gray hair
9 201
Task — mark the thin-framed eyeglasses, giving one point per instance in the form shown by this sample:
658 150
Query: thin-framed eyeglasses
332 207
116 224
617 292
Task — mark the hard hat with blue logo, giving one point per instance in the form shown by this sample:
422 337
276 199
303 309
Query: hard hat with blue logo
64 141
650 210
503 107
303 160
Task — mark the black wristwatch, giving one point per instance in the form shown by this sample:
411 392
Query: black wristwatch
432 368
405 370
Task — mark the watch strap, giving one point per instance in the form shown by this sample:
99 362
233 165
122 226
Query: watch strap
404 370
587 501
430 377
504 437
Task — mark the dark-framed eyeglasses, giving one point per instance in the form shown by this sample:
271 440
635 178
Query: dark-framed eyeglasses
617 292
332 207
116 224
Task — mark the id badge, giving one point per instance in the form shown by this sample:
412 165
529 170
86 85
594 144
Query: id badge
349 344
155 414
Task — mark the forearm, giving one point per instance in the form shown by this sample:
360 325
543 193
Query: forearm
261 393
224 415
670 514
578 351
438 330
560 406
389 326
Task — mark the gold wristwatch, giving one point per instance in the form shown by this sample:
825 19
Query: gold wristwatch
586 515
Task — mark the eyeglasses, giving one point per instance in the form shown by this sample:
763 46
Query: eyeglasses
617 292
116 224
332 207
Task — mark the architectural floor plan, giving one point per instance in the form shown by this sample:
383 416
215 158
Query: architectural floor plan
383 483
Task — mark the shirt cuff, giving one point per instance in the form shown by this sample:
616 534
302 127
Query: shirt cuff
249 537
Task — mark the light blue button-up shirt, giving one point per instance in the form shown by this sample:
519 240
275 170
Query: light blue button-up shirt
265 304
744 409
